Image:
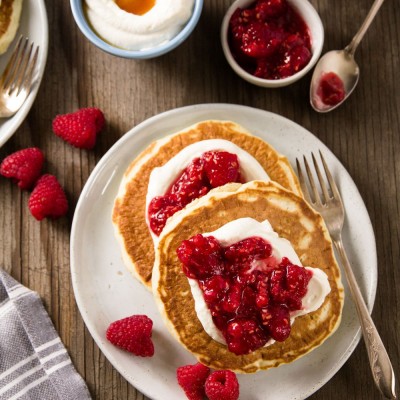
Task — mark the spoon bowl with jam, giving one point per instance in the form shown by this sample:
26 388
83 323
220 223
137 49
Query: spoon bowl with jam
336 74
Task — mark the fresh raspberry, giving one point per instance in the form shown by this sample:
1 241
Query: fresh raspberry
80 128
222 385
23 166
132 334
48 199
192 379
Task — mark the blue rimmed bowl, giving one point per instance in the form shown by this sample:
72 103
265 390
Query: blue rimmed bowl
92 36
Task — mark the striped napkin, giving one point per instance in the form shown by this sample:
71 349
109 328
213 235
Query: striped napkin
34 363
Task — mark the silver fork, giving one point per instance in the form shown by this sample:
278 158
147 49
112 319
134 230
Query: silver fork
330 206
18 77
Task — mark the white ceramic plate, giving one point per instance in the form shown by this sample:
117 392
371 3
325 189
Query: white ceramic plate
105 291
34 26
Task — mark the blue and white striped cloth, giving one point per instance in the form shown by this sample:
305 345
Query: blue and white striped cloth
34 363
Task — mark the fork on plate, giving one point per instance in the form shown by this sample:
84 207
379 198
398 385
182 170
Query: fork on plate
18 77
329 204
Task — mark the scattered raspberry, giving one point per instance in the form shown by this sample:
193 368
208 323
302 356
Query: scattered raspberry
23 166
222 385
192 379
80 128
132 334
48 199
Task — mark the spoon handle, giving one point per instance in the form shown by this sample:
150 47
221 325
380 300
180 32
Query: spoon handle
351 48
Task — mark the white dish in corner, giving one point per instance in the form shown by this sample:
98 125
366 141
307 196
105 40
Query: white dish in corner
34 26
105 291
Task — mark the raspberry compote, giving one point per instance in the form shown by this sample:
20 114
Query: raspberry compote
248 291
269 39
211 170
331 89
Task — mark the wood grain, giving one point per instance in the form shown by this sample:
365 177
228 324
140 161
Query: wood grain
364 135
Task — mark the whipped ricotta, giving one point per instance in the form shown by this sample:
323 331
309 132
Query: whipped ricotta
161 178
138 32
234 231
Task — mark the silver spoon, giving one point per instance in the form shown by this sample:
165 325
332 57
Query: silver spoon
341 63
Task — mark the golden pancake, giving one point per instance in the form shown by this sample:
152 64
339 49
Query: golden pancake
130 205
293 219
10 12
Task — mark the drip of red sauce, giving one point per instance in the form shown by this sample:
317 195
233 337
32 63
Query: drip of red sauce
249 293
269 39
331 89
211 170
138 7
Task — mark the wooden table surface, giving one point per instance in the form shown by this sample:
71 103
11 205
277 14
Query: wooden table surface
363 134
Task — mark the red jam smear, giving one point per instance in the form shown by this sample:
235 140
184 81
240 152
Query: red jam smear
331 89
211 170
249 293
269 39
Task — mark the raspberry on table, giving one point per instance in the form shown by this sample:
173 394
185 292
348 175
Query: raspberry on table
192 379
222 385
80 128
48 199
132 334
23 166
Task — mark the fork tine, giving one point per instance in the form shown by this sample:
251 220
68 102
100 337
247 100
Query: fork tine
25 58
17 64
332 184
28 82
302 181
317 198
10 67
324 189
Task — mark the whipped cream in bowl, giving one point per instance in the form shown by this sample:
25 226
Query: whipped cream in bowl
137 29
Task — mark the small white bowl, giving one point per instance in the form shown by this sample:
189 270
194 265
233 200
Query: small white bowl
310 17
77 7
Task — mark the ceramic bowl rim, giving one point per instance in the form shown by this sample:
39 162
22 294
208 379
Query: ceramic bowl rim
317 45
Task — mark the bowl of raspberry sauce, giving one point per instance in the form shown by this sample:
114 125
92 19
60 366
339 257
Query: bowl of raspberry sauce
272 43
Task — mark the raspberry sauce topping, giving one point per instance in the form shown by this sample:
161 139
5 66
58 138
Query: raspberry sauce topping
211 170
248 291
269 39
331 89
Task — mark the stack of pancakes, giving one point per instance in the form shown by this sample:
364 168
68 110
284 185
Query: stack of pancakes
279 201
10 12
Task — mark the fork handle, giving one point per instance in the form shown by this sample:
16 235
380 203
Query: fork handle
380 364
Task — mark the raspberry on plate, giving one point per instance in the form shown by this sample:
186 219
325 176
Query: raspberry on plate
132 334
222 385
80 128
48 199
192 379
23 166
